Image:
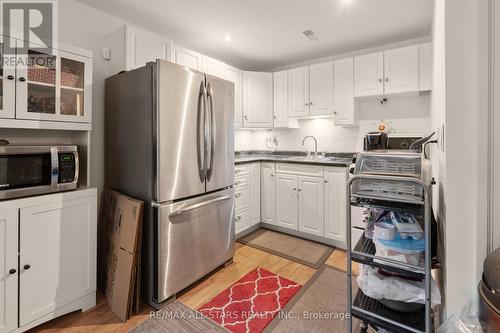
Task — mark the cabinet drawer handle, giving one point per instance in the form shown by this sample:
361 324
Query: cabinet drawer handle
237 195
22 79
10 77
12 271
26 267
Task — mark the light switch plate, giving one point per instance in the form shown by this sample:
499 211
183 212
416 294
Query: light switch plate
106 53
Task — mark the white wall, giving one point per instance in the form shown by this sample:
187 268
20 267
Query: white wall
458 101
87 28
404 114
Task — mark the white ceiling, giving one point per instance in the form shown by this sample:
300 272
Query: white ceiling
267 33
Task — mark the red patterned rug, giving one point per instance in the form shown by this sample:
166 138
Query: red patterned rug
250 304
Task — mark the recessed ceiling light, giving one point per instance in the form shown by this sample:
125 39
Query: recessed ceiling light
228 38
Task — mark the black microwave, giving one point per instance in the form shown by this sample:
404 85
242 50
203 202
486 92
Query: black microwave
33 170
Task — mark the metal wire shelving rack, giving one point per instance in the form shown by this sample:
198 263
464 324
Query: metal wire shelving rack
369 310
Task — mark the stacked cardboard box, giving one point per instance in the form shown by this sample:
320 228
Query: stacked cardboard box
119 252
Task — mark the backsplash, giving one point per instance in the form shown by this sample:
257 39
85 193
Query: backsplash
404 114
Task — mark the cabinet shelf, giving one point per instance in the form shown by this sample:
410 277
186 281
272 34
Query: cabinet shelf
372 311
72 88
42 84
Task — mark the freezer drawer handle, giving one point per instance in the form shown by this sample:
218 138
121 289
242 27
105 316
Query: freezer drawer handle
198 205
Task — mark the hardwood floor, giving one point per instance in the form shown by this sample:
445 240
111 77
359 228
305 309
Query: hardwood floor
101 319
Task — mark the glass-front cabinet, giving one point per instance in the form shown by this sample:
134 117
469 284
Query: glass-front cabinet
7 85
54 86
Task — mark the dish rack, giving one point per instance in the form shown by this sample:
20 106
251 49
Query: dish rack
395 183
405 166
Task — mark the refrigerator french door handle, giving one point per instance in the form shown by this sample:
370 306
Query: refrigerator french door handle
210 94
198 205
201 126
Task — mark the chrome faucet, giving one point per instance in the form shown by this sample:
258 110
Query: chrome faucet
315 144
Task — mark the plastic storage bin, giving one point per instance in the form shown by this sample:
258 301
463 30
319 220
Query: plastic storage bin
408 251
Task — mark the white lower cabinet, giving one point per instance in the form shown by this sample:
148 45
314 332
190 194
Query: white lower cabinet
299 203
57 257
241 219
8 270
247 196
286 201
254 193
268 193
335 203
310 205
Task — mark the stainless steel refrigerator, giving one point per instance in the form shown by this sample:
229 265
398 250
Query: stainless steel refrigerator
169 141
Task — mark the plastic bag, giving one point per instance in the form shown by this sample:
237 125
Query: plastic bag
378 286
466 321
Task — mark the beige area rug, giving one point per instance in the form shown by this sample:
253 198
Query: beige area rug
296 249
320 306
178 318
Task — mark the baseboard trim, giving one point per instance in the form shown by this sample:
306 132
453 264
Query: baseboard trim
85 303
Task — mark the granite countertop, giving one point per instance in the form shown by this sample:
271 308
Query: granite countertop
330 159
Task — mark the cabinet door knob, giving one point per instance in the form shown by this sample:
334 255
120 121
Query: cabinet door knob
294 189
246 117
275 117
299 190
326 181
238 218
237 195
22 79
10 77
307 104
379 80
272 175
310 103
26 267
12 271
386 79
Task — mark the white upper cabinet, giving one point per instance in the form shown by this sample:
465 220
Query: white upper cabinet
345 113
298 92
187 58
425 66
215 67
7 88
280 100
280 83
55 86
132 48
310 90
321 89
235 76
257 100
369 75
401 70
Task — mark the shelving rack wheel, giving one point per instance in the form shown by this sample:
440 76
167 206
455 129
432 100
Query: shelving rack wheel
396 204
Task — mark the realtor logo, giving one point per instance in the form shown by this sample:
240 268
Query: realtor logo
31 23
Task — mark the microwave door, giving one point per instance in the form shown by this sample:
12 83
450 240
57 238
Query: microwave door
180 132
221 133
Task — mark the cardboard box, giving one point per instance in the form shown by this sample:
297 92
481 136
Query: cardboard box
119 229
